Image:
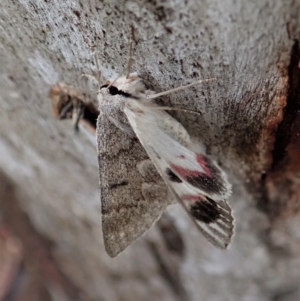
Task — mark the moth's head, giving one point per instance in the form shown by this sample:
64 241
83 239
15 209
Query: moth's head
126 86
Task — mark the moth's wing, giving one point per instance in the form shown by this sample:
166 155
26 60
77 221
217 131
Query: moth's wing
131 201
194 179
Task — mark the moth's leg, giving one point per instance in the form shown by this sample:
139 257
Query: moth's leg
156 95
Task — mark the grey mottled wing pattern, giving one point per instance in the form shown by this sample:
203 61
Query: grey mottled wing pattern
133 195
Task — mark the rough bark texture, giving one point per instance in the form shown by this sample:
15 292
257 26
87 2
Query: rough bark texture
250 123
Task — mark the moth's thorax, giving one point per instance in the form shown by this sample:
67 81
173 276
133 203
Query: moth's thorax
113 97
118 91
132 84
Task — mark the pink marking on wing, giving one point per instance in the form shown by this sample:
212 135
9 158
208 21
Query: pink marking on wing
202 163
191 197
184 172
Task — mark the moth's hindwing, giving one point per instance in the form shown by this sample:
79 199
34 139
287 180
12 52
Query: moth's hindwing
195 180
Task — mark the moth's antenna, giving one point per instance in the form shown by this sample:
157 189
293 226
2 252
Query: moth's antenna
132 39
94 52
98 67
152 96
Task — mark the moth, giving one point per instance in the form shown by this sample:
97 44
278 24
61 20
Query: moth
131 200
69 103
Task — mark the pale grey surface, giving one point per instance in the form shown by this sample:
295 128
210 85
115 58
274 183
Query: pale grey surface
244 44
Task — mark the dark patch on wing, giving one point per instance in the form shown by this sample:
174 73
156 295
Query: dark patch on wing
172 177
206 211
209 181
207 184
123 183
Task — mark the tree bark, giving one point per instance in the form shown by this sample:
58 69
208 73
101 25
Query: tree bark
249 122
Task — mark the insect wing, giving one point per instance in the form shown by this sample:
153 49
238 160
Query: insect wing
130 205
194 179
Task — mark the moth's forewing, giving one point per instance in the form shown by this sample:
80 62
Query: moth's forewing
131 202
